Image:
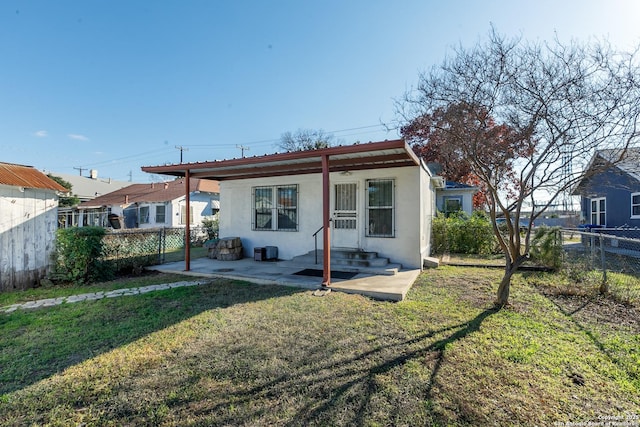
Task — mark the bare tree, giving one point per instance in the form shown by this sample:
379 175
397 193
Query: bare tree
306 139
560 102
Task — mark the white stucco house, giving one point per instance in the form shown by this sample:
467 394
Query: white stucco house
28 224
377 197
153 205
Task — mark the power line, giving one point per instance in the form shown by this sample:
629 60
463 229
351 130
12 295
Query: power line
246 145
274 140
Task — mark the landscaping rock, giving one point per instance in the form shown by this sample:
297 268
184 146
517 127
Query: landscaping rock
430 262
226 249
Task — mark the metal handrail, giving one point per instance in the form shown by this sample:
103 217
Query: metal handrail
315 240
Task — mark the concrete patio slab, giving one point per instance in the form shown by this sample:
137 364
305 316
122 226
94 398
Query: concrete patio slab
382 287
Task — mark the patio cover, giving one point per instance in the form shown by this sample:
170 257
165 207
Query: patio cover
372 155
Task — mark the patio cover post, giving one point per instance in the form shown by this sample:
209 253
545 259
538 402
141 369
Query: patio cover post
326 223
187 237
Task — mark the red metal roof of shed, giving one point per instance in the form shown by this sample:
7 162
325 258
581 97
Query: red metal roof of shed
27 177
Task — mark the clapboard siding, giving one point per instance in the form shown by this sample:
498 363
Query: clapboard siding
28 221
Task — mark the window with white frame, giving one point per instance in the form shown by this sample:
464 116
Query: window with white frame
635 205
143 215
599 211
275 208
452 204
380 208
183 215
161 214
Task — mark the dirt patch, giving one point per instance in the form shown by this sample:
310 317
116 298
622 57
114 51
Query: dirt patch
595 309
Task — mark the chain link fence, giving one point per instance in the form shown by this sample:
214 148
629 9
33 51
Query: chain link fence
608 258
137 248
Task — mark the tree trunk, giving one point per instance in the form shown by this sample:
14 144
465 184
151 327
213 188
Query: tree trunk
505 285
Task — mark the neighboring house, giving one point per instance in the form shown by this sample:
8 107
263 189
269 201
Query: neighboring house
84 188
455 197
28 223
160 204
379 197
610 190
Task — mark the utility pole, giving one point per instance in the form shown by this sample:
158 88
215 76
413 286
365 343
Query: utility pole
181 148
80 169
130 176
242 148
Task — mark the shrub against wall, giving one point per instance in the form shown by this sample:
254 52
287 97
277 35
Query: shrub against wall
78 255
463 234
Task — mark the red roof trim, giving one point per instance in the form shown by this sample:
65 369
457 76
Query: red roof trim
371 155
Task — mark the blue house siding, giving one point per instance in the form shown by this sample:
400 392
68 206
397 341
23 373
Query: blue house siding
616 187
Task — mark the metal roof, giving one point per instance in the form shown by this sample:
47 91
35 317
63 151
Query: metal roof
27 177
150 193
86 188
372 155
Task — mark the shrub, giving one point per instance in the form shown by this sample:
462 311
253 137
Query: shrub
211 226
78 255
546 247
462 234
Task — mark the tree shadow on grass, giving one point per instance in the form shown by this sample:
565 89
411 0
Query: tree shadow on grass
592 335
343 391
38 344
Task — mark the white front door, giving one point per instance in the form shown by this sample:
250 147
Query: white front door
345 216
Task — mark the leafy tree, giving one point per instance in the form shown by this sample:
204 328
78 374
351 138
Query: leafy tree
430 137
554 104
69 199
306 139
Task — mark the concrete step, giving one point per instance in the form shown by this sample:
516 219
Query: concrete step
351 260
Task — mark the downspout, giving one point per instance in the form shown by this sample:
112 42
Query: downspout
187 237
326 223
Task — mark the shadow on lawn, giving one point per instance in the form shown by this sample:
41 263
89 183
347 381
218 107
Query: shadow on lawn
37 344
344 391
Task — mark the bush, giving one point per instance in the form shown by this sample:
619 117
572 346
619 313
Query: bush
546 247
462 234
78 255
211 226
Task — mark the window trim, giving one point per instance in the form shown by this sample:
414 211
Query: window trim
183 214
598 211
142 220
637 194
447 198
164 214
392 207
275 208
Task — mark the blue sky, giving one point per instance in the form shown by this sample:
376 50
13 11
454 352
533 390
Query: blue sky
115 85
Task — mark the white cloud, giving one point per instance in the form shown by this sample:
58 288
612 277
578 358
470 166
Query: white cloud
78 137
41 134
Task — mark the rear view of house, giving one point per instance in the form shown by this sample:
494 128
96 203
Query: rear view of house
376 197
28 223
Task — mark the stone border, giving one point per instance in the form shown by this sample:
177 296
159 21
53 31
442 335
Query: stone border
50 302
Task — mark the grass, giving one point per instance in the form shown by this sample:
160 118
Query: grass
232 353
178 254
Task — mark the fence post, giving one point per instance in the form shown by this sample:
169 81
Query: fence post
160 246
604 288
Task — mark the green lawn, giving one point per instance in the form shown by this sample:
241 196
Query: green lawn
232 353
